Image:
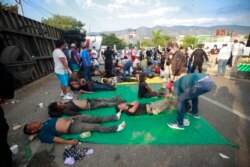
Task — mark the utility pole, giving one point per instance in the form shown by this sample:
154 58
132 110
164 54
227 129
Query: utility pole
21 5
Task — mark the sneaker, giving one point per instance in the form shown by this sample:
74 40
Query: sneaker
196 116
68 94
175 125
67 97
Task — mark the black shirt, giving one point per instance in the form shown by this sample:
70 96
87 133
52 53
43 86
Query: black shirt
109 54
142 89
199 55
71 109
141 110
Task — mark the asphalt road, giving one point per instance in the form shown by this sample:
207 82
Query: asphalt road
226 108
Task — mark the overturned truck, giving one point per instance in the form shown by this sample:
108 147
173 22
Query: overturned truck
26 46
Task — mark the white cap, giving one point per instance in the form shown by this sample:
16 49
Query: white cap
73 45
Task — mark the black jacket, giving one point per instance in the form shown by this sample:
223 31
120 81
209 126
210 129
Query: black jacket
198 56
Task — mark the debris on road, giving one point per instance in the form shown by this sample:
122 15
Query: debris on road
16 126
223 156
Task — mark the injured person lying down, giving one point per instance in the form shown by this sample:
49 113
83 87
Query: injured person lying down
51 130
73 107
154 108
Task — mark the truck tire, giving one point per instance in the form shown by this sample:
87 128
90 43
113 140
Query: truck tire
15 54
74 36
72 32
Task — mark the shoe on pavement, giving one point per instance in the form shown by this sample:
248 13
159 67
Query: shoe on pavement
196 116
69 94
175 125
67 97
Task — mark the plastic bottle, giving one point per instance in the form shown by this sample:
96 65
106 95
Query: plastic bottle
27 149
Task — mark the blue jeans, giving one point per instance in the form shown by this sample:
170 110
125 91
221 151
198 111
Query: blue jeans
191 94
222 66
96 86
87 73
126 68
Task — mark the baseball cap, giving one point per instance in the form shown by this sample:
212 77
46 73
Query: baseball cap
73 45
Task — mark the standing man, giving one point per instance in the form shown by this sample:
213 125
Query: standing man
62 69
189 87
179 62
109 55
7 87
213 56
95 57
198 60
86 64
75 62
238 49
223 58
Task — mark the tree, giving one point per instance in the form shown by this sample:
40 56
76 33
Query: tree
64 22
111 40
160 38
189 40
8 7
147 43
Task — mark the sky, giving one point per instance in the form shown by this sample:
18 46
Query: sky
110 15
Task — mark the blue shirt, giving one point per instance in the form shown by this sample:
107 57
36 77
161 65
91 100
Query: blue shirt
85 58
187 81
48 131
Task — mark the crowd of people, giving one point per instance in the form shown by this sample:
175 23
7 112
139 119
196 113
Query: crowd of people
74 68
74 71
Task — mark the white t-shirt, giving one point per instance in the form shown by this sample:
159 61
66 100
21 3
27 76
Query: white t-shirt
94 53
59 67
238 49
136 62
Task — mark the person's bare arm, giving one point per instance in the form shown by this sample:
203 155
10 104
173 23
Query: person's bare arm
134 108
83 91
64 62
62 141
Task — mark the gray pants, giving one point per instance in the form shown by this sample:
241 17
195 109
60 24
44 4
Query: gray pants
102 102
86 123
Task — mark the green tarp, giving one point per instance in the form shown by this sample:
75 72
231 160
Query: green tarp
148 129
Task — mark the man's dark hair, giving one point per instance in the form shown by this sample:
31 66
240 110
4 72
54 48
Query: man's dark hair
116 108
59 43
236 41
54 111
26 131
73 89
142 77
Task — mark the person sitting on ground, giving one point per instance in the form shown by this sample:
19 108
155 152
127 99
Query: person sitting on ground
144 89
74 107
51 130
154 108
89 87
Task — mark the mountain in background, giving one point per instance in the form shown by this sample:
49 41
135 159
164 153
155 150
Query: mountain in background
145 32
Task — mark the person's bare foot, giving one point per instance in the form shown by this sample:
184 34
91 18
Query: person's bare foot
121 126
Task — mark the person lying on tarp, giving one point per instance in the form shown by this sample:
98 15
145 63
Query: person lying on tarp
145 91
89 87
51 130
189 88
73 107
154 108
